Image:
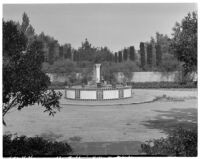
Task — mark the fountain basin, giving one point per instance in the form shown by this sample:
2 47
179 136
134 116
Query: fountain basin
104 93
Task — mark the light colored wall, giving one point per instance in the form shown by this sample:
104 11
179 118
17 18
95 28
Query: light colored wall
110 94
88 94
154 77
127 93
136 77
70 94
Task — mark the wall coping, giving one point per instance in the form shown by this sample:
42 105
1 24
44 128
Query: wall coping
95 89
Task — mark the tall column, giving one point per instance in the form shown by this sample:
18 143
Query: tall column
98 73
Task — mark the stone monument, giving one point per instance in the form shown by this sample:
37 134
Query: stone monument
98 73
98 91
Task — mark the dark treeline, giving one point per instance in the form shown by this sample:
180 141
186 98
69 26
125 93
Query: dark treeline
153 55
53 51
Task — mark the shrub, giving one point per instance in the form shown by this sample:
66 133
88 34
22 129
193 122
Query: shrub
33 146
163 85
180 142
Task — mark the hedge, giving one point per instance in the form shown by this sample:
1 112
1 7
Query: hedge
23 146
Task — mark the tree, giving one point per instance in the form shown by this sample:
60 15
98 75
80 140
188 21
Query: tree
142 54
67 51
61 52
169 64
125 54
116 57
30 33
120 56
24 83
25 22
158 55
179 142
132 53
51 52
184 42
22 146
164 41
149 55
86 51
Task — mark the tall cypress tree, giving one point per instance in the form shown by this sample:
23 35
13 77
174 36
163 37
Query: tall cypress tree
51 53
116 58
149 55
132 53
125 54
61 52
158 55
142 54
120 56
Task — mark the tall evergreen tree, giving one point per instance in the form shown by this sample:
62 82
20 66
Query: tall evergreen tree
142 55
120 56
125 54
116 58
61 52
149 55
158 55
25 22
132 53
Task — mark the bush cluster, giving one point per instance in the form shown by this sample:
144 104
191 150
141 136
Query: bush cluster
140 85
180 142
33 147
163 85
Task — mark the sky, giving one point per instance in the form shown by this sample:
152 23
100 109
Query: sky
113 25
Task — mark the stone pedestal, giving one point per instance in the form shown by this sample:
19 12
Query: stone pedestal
98 75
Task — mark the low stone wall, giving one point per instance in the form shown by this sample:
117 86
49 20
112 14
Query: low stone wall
98 93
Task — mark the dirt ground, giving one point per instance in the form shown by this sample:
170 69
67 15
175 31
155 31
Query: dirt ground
134 122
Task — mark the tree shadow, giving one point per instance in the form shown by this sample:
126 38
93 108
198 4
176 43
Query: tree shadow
167 121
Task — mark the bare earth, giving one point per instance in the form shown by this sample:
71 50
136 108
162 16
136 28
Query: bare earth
114 123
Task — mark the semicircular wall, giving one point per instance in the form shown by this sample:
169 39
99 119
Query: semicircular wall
98 93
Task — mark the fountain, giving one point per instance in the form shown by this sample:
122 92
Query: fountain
98 92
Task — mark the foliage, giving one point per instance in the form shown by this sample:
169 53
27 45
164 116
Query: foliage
180 142
26 28
24 83
116 58
132 53
125 54
169 64
158 55
23 146
142 54
158 85
50 47
120 56
184 42
25 23
149 55
164 41
60 66
109 70
67 51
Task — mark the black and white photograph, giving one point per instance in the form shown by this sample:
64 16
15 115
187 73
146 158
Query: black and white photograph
99 79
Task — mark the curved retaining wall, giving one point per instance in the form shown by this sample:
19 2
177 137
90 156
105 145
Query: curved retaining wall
98 93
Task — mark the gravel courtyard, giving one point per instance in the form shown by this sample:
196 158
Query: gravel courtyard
113 123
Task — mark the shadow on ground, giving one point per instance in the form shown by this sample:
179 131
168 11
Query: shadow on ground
166 121
106 148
